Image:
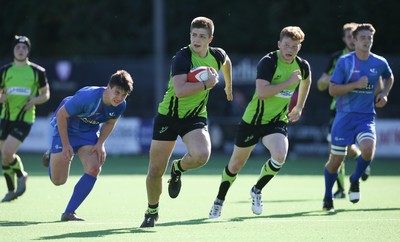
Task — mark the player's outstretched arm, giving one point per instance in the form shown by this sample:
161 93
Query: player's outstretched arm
227 72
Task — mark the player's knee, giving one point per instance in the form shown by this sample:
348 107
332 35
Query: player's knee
155 172
93 171
235 167
367 150
201 158
279 157
58 181
367 153
7 156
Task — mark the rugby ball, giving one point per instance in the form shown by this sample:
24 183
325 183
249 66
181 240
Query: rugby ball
199 74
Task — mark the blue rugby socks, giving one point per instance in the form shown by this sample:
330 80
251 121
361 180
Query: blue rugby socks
360 168
330 179
81 190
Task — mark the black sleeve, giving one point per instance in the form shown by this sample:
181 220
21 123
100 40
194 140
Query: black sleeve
304 68
219 54
332 62
266 68
42 78
1 77
181 62
3 71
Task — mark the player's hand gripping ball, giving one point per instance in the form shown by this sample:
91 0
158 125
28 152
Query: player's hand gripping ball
200 74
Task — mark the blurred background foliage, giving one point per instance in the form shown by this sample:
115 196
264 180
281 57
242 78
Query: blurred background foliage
124 28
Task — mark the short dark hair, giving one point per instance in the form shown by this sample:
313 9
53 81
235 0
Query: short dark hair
123 80
21 40
361 27
203 23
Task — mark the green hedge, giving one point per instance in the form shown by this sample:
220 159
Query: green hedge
90 28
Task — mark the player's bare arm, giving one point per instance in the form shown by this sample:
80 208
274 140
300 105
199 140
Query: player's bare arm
44 96
3 96
183 88
99 147
382 97
304 89
227 72
341 89
106 130
323 82
265 89
62 124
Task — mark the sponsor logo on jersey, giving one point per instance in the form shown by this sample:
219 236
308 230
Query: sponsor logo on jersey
373 71
285 94
367 90
277 77
23 91
90 121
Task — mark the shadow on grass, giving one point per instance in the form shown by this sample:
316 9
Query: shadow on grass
133 230
22 223
97 233
286 215
283 201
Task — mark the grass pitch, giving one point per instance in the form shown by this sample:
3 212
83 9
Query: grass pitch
292 205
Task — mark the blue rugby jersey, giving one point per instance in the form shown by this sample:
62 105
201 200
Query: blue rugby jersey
87 111
350 69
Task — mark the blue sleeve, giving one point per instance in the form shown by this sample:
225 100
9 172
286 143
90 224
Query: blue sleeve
122 109
387 71
339 73
76 105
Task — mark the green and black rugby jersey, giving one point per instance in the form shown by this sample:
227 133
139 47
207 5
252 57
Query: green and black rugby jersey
271 68
331 67
20 83
195 105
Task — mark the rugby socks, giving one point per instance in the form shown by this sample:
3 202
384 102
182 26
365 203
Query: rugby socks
340 178
9 175
177 167
330 179
341 175
152 209
226 181
360 168
81 190
17 166
268 171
